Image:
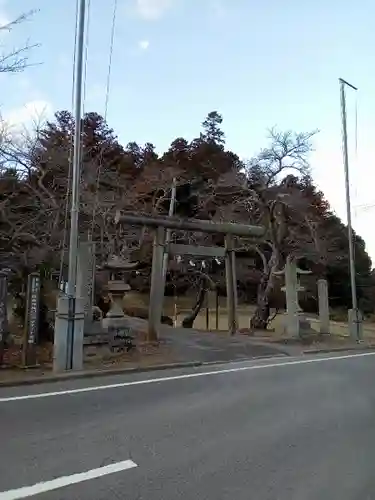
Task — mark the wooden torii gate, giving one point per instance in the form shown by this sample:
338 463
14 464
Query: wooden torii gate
161 246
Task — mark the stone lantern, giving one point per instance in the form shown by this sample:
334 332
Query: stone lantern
117 287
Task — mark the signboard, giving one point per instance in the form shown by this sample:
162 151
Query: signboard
90 282
31 319
86 277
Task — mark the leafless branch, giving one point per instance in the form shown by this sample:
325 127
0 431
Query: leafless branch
17 59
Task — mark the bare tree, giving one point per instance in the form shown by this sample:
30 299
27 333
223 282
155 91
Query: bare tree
16 60
268 197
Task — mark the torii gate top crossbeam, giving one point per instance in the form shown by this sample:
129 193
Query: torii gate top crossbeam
203 226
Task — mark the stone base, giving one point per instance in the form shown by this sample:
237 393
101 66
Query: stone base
303 328
355 323
61 355
100 332
93 328
115 322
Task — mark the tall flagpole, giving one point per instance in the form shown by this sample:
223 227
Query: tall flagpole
344 83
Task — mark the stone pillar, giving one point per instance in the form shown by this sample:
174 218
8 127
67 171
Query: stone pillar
157 285
217 309
323 306
86 278
291 283
3 314
235 294
231 283
68 348
211 301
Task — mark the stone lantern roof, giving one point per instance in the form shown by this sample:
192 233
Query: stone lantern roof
116 263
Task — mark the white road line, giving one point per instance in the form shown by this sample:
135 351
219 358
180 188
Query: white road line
61 482
182 377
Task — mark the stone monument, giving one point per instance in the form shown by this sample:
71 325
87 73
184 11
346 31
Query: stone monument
86 279
31 320
3 314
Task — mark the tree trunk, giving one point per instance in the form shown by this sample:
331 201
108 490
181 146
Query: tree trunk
188 322
259 321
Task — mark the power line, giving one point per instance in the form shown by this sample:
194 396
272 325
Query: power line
113 29
87 39
108 85
366 206
356 126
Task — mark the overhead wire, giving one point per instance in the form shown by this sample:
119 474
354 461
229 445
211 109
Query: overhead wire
87 39
106 102
356 125
364 206
111 46
355 148
355 152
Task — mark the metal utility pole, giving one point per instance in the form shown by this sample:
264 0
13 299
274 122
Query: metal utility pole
68 342
344 83
74 211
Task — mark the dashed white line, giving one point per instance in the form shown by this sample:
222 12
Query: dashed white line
182 377
61 482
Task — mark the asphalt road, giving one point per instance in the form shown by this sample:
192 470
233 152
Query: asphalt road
276 429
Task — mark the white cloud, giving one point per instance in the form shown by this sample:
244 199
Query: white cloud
153 9
33 113
143 44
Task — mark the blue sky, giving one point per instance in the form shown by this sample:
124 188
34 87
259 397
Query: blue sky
258 63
